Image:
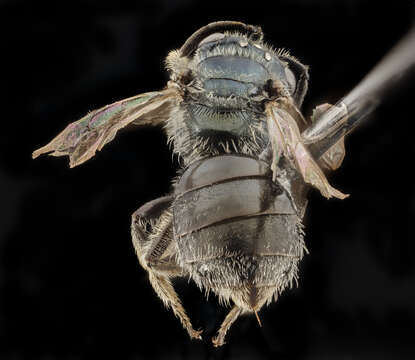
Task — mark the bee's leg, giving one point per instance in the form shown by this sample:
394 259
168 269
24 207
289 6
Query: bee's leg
152 236
227 323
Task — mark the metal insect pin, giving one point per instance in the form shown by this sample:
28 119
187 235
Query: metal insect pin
231 110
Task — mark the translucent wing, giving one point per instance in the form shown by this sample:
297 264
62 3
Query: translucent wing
286 140
81 139
334 156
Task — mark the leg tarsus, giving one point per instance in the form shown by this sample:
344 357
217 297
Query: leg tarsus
165 291
152 251
219 340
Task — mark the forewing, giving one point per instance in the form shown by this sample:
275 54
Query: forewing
81 139
333 157
286 139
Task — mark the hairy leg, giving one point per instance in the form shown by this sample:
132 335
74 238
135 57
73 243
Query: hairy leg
152 236
227 323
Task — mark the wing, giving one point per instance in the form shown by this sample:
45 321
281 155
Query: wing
334 156
81 139
286 140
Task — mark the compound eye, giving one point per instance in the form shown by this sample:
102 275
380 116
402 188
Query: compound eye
292 83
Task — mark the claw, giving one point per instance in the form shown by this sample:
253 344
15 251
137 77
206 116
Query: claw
195 334
229 320
218 341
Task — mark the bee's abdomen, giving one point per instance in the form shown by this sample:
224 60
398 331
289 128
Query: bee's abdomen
231 218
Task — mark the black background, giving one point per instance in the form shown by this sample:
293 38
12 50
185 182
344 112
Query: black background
70 284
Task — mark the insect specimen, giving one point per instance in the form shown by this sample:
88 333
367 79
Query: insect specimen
231 112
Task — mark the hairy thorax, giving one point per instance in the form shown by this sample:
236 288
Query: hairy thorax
224 90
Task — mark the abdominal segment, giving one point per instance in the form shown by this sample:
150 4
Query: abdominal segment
236 230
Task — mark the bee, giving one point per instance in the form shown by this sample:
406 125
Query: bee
233 220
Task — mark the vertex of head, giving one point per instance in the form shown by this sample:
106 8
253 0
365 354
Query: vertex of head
193 41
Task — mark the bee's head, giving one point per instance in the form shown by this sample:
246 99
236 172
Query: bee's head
228 59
